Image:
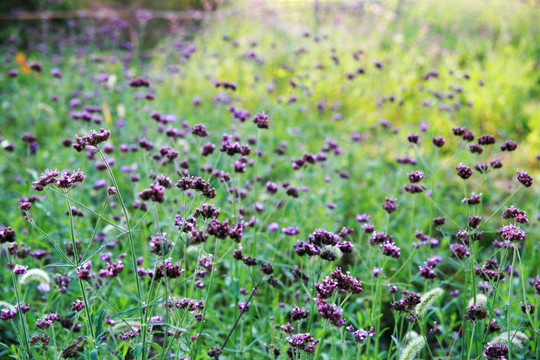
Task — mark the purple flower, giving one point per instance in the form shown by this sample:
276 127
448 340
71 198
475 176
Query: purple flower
468 136
415 176
390 249
77 305
524 178
476 312
361 334
298 314
93 139
459 251
330 312
413 138
243 307
509 145
20 269
486 140
439 221
290 230
407 302
438 141
475 199
154 193
511 232
261 120
389 205
496 351
304 341
513 213
7 314
7 234
199 130
464 171
363 217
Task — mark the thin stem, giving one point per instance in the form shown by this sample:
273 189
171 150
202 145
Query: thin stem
471 341
89 325
21 315
241 313
132 250
508 303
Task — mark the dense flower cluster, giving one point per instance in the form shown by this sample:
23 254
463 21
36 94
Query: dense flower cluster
512 232
518 215
7 234
65 181
476 312
231 147
407 302
93 139
524 178
496 351
305 342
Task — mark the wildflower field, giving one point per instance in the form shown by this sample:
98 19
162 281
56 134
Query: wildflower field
275 180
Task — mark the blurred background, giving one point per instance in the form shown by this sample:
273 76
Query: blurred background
497 42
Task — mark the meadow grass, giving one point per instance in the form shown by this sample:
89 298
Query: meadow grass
304 217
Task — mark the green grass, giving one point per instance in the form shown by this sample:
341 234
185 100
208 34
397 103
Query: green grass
496 44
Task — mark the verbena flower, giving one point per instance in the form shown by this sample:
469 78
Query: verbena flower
524 178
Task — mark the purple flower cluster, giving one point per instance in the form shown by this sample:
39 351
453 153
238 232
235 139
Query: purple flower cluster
93 139
427 271
407 302
155 193
112 269
389 205
77 305
464 171
509 145
361 334
518 215
261 120
486 140
304 341
476 312
524 178
186 303
330 312
496 351
139 82
65 181
198 184
7 314
231 147
47 320
490 270
199 130
415 176
298 313
512 232
475 199
7 234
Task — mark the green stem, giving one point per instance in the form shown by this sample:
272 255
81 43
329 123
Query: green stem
132 250
90 326
22 318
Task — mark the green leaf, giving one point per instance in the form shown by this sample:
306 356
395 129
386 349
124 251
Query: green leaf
93 354
58 265
154 345
137 350
127 312
99 324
